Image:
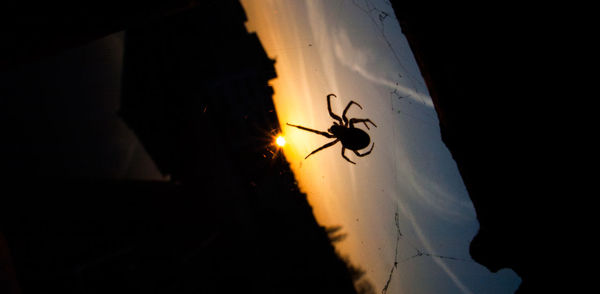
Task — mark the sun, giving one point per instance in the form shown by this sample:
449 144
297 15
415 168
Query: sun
280 141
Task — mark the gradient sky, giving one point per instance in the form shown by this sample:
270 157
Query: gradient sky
356 50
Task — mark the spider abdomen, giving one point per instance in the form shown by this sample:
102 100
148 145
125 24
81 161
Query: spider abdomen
354 139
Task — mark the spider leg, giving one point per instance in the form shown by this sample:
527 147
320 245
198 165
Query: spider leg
344 156
322 147
366 153
328 135
361 120
346 110
336 117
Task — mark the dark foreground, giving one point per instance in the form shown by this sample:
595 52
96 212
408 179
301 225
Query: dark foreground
494 74
194 92
223 215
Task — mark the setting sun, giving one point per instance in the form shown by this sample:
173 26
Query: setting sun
280 141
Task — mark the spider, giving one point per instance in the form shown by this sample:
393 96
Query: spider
343 130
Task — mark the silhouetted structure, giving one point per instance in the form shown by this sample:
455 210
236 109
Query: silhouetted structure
231 220
491 74
36 29
196 90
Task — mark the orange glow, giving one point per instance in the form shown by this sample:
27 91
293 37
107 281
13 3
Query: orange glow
280 141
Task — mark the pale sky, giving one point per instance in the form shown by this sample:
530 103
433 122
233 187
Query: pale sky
356 50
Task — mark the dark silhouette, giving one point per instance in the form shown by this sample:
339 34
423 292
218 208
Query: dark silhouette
343 130
334 235
504 162
194 91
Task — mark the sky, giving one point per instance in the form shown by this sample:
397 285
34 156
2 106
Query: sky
407 196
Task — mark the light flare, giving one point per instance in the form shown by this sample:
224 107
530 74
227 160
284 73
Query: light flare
280 141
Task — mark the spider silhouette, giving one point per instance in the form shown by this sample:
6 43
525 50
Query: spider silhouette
343 130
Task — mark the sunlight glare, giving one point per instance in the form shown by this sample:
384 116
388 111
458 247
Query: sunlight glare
280 141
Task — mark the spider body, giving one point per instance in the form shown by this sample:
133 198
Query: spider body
343 131
351 138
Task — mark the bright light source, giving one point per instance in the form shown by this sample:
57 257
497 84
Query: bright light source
280 141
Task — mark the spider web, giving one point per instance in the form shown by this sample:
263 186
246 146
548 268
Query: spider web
418 253
382 16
